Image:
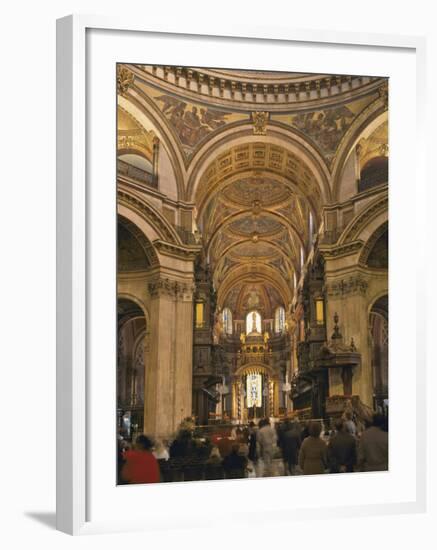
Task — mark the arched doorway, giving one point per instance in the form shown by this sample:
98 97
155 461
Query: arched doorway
134 255
378 325
130 367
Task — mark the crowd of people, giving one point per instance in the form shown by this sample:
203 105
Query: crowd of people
287 448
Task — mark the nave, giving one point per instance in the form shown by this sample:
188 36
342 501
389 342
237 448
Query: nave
252 264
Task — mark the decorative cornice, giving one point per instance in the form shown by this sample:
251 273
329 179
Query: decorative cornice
354 284
252 89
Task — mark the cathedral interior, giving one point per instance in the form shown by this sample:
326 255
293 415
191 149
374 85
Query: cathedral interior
252 246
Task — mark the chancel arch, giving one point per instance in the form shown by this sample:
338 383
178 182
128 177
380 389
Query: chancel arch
281 151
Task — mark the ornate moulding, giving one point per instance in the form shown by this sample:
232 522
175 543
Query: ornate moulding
246 91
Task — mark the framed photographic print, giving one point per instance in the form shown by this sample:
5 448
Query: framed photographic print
234 325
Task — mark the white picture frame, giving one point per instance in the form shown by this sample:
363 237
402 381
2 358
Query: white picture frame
74 290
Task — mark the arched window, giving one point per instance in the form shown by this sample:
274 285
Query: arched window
253 322
227 320
279 319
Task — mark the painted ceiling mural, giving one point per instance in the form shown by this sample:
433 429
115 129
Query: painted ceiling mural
327 127
193 121
190 122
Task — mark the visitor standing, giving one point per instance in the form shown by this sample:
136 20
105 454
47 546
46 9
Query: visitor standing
140 465
373 447
291 442
313 457
266 440
342 450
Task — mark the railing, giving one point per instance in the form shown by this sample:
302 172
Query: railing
137 174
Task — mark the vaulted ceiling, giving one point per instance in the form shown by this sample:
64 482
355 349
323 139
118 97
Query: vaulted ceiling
256 198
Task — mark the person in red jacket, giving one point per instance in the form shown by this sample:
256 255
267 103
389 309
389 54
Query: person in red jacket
140 465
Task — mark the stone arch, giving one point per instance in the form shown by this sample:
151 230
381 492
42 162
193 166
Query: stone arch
148 218
374 115
368 247
142 110
133 298
366 222
379 347
143 241
375 298
255 368
277 136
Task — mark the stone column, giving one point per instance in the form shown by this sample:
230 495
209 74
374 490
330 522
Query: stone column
183 353
168 373
158 401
